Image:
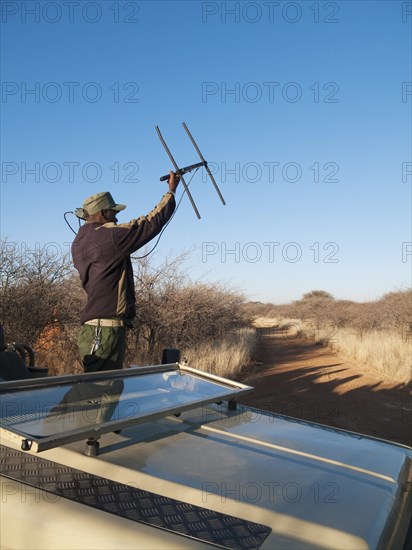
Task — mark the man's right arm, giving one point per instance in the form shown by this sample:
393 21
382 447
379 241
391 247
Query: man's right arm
129 237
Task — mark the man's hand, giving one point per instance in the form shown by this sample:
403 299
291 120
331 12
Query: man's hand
173 181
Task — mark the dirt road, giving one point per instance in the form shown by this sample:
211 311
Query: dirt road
301 379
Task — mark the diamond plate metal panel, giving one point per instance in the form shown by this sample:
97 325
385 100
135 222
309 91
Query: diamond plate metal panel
132 503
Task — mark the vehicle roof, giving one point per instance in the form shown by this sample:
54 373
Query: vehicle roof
315 486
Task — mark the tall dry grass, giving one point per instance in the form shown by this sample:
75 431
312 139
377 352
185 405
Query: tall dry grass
382 352
225 357
265 322
388 354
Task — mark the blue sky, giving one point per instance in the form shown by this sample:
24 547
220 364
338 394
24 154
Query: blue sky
302 109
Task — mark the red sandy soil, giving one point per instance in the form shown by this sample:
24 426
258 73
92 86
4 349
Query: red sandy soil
298 378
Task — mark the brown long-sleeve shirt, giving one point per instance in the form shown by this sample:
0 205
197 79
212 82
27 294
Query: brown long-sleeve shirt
101 254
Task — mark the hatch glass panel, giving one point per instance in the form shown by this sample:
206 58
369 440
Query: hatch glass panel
50 413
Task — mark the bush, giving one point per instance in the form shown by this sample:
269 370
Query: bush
35 291
173 311
41 301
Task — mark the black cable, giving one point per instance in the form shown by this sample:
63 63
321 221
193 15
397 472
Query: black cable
161 232
65 219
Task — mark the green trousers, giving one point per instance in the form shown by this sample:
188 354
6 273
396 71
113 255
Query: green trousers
109 354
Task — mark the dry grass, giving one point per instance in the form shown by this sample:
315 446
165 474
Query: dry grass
386 353
226 357
382 352
265 322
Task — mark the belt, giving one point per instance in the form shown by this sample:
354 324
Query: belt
105 323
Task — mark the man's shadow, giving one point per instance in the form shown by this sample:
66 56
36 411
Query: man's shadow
88 403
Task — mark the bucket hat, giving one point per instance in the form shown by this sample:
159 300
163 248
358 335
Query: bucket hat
101 201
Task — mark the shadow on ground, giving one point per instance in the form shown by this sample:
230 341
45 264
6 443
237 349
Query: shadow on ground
301 379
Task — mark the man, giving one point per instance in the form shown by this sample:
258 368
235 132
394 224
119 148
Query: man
101 254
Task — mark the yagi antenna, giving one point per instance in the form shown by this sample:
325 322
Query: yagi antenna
181 171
